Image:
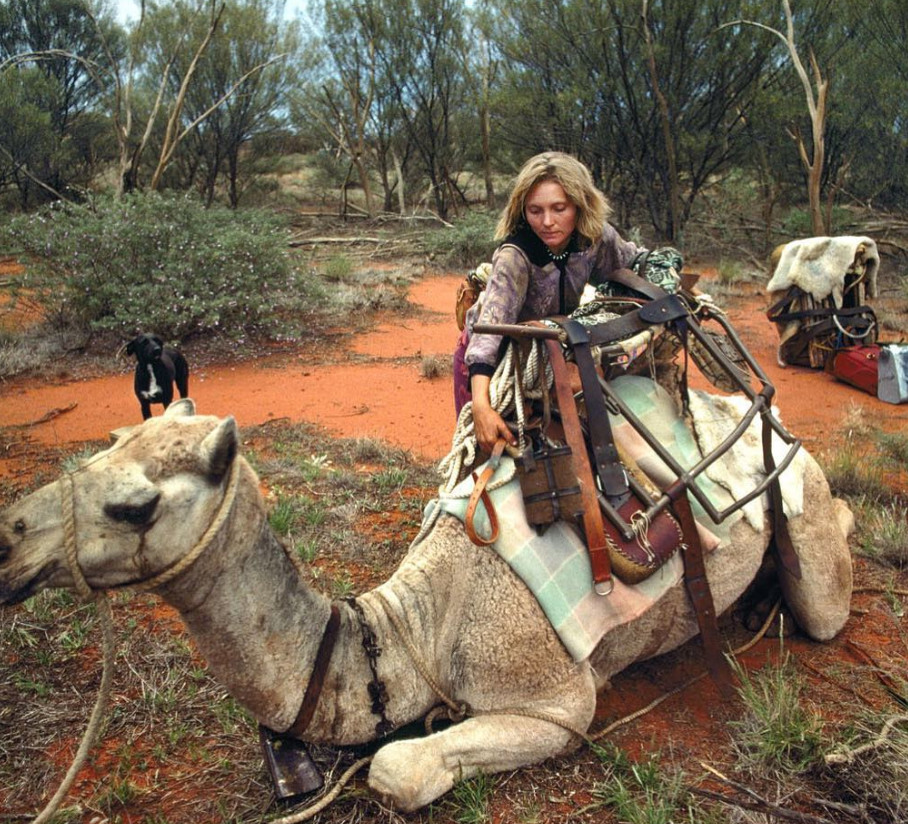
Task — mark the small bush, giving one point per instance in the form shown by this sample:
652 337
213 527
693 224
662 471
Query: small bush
150 262
469 243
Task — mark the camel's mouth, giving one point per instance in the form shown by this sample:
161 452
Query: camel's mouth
9 596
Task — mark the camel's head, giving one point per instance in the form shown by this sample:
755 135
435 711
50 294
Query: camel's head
137 507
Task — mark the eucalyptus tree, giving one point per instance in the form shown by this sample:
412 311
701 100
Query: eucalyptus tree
239 89
344 98
481 72
873 92
421 62
55 77
652 95
210 82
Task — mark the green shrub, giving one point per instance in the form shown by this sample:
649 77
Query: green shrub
156 263
468 243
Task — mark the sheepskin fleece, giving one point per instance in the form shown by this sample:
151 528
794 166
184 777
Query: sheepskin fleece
740 469
818 266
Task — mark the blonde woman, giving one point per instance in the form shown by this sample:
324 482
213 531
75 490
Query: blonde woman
556 238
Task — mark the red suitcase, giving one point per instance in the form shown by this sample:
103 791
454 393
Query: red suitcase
858 366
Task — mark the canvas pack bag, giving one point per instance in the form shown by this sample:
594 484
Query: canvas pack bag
892 373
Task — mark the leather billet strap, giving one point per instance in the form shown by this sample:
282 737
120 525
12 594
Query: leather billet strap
594 531
479 493
781 538
699 592
317 678
611 473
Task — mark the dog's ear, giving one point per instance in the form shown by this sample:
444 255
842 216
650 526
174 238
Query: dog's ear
157 340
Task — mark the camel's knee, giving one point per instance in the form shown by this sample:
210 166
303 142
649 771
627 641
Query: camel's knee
407 775
820 599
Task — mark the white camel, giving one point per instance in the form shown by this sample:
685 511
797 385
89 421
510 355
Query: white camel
172 504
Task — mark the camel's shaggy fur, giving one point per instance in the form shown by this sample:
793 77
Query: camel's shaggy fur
143 504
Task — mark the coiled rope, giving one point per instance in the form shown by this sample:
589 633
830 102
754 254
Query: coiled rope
511 385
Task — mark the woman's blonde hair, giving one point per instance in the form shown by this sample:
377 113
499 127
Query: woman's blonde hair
593 209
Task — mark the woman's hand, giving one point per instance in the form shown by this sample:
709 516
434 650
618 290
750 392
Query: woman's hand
488 425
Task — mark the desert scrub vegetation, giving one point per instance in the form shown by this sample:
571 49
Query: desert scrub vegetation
466 243
150 261
869 470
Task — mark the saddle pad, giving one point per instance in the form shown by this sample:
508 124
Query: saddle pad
555 566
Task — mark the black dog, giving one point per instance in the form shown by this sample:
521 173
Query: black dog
158 368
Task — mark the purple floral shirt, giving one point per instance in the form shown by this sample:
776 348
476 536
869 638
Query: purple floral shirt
526 284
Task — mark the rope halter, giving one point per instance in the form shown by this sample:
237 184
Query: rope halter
166 575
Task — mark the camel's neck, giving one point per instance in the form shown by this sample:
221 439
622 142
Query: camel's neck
259 625
255 621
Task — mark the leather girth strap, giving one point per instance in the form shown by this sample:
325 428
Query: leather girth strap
611 474
317 678
593 529
479 494
699 592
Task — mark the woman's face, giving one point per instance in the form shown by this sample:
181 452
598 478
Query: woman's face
551 214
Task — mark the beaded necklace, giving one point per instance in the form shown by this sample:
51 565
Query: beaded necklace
560 255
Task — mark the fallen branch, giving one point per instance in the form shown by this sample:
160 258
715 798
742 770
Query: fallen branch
763 806
758 803
846 756
47 416
305 241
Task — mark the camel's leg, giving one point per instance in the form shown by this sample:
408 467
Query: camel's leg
410 774
821 599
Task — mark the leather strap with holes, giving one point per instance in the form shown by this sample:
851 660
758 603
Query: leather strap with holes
596 542
317 678
699 592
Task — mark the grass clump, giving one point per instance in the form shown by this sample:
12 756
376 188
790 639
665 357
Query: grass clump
472 799
776 736
884 534
645 792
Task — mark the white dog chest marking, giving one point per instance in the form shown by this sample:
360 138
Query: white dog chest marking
153 390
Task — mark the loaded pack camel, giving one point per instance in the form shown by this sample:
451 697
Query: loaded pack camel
172 506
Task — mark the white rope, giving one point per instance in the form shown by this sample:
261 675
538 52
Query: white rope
507 398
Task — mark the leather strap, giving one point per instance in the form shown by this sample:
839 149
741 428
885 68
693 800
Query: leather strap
608 465
700 594
593 529
317 678
781 538
631 280
479 493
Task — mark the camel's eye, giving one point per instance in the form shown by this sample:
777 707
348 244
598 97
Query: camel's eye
136 514
19 527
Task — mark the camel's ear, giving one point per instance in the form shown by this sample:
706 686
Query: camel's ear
184 407
219 447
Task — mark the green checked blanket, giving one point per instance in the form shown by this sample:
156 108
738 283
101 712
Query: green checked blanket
555 566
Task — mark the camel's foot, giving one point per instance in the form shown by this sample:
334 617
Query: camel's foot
410 774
